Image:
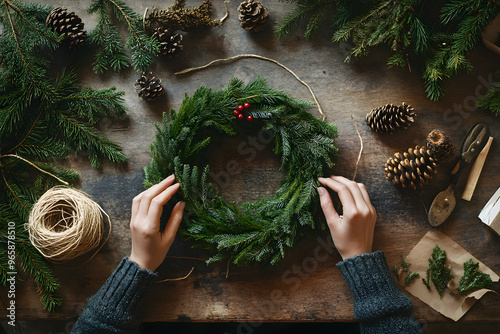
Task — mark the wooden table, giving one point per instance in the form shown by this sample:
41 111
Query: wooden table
306 285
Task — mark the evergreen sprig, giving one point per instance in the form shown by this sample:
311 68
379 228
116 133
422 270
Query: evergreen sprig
438 272
405 268
42 119
105 36
260 231
473 279
435 43
491 100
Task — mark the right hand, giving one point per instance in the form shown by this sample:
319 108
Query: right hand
149 245
352 233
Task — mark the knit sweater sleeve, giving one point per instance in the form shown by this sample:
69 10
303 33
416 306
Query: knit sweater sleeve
115 306
378 303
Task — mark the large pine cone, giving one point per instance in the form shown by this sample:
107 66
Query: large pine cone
253 15
68 24
390 118
149 89
440 146
411 169
170 43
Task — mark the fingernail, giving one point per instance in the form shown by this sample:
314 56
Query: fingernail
170 177
321 190
182 205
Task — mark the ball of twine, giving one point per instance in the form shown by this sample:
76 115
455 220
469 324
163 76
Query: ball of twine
65 223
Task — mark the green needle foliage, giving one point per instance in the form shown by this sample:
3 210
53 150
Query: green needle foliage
473 279
257 232
105 36
438 272
434 39
42 119
491 100
405 268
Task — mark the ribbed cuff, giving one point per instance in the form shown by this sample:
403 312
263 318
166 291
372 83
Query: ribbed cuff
118 299
373 288
128 285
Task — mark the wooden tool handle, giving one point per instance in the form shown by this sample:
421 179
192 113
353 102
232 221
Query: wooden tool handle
475 172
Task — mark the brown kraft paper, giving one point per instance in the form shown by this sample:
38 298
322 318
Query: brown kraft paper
451 305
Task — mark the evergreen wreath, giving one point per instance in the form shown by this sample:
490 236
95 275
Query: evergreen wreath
258 231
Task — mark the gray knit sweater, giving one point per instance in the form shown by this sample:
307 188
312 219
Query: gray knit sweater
115 307
378 304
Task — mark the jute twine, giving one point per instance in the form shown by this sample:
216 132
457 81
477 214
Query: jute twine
65 223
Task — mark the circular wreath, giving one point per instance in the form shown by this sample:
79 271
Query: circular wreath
256 231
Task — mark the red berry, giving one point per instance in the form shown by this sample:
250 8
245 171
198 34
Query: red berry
240 108
246 105
236 112
249 117
240 116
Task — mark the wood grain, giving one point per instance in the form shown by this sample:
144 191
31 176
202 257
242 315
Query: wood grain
306 285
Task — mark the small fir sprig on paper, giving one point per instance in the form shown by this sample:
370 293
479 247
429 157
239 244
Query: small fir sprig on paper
405 268
473 279
438 272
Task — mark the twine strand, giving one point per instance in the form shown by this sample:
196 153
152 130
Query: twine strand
323 116
66 223
35 166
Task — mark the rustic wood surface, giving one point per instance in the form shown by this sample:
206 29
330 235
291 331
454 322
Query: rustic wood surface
306 285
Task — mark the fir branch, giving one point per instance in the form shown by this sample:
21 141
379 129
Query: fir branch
106 37
437 49
41 120
312 10
32 263
491 100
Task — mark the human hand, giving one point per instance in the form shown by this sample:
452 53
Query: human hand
149 245
352 233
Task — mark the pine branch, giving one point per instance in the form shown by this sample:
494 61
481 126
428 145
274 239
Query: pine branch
33 264
106 37
42 120
491 100
312 10
438 49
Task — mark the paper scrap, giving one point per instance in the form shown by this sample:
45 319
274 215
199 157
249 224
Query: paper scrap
490 214
453 306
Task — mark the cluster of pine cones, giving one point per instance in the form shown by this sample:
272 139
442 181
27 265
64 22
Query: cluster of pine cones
417 165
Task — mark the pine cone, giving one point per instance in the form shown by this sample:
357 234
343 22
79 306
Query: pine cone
170 43
411 169
390 118
440 146
253 15
149 89
68 24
